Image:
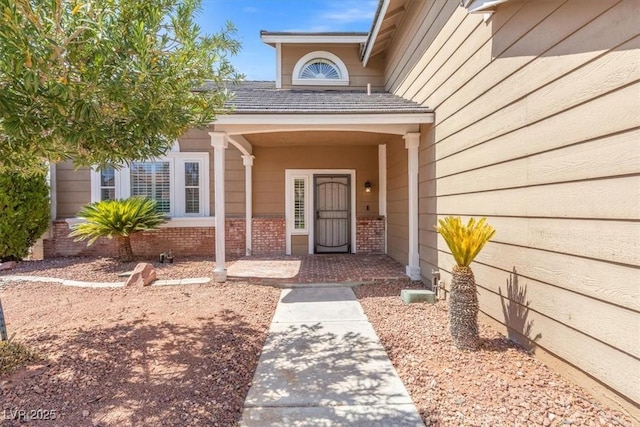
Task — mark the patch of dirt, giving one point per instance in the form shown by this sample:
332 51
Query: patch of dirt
107 269
499 385
174 355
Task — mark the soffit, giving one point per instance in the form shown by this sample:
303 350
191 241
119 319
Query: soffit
393 15
318 138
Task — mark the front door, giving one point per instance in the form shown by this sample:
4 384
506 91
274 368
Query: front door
333 213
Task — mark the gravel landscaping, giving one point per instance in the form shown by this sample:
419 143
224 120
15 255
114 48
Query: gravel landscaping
185 355
107 269
173 355
499 385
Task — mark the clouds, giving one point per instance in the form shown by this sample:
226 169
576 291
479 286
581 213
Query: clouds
347 12
333 15
257 60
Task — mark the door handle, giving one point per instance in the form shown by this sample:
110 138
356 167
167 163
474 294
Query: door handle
317 214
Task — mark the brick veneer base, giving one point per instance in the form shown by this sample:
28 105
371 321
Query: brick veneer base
370 235
181 241
269 236
268 239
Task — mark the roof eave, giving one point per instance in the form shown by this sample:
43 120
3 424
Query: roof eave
383 5
271 38
238 118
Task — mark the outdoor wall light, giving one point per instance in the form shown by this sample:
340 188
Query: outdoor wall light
367 187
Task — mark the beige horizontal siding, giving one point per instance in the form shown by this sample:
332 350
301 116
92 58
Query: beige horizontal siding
591 159
271 161
537 128
359 76
74 186
299 245
397 202
234 182
615 198
199 141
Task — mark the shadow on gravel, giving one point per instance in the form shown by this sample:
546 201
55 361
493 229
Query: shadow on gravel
386 288
138 373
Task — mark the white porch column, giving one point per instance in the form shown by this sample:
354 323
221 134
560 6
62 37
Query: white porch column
382 188
247 161
219 143
278 65
412 143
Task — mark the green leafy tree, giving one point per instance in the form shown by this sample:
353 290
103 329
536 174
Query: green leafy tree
105 81
119 218
465 243
24 213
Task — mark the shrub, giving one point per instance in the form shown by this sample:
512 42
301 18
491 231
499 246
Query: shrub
465 243
120 218
24 213
14 355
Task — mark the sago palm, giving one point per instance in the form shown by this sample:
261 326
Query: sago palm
119 218
465 242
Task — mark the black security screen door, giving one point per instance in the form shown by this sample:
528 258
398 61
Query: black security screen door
333 213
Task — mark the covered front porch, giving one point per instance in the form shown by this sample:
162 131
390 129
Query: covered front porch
319 268
312 172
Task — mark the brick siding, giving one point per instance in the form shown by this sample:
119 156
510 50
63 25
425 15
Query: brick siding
268 239
269 236
370 235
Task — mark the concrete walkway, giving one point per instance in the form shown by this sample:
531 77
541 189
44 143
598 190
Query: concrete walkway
323 365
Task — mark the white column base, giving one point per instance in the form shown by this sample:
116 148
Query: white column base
220 276
414 273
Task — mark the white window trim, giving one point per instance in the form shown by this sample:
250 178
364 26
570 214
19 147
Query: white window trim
320 54
290 174
176 164
290 197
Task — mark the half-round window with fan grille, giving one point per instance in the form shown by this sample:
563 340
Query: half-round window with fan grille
320 68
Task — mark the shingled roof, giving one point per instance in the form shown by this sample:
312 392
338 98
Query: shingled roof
253 97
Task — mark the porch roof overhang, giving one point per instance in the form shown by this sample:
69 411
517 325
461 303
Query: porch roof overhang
260 107
396 124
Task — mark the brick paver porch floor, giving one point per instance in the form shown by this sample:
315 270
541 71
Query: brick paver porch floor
317 268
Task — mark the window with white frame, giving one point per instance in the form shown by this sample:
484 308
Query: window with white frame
153 181
192 187
107 183
320 68
297 209
178 183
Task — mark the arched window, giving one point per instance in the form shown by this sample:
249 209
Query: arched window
320 68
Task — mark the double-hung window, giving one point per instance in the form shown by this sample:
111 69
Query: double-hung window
177 182
107 184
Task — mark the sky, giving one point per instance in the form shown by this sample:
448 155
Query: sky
256 60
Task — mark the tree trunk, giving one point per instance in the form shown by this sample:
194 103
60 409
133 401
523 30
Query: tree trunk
125 253
463 309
